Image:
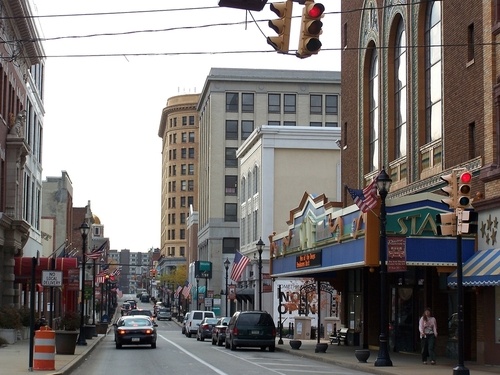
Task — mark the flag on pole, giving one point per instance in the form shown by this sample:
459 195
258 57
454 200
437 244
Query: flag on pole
186 290
367 198
178 291
239 263
98 252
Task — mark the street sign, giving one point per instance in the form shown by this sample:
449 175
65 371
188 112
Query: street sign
51 278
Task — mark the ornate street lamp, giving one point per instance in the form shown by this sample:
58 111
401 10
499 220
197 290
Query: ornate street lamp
226 266
260 246
84 230
383 186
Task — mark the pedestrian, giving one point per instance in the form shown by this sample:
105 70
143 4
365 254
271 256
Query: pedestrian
428 334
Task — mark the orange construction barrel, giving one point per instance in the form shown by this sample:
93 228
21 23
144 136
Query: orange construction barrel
44 357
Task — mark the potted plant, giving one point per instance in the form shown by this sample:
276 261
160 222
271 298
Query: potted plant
67 336
10 322
25 313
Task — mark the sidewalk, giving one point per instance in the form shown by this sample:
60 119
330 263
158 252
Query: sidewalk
14 359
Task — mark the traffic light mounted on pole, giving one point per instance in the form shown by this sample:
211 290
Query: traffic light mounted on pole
464 199
467 221
311 29
446 224
450 190
281 25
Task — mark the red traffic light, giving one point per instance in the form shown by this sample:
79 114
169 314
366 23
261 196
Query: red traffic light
466 178
316 10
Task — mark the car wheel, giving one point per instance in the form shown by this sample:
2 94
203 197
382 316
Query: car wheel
118 346
262 348
272 348
153 345
232 346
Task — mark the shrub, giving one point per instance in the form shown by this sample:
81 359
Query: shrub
24 313
70 321
10 317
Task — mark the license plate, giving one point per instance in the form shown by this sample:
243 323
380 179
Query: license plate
136 339
255 332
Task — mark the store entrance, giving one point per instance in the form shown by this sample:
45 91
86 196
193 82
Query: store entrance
403 324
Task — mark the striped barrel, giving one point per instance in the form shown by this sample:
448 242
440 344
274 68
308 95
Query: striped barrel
44 357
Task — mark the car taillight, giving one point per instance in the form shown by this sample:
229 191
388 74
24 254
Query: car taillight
274 331
235 331
204 326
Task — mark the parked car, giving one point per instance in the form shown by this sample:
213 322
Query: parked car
251 329
219 330
194 320
164 313
184 321
125 308
135 330
205 329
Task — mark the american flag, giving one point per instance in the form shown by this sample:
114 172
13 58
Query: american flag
367 198
186 290
239 263
116 272
178 291
97 253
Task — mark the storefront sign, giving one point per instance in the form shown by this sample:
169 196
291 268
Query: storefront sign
309 260
396 254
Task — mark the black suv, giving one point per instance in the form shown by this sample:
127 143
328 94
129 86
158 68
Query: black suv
251 329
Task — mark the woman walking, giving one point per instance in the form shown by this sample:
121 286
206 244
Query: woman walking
428 333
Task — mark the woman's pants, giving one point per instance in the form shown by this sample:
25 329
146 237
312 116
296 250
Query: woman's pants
428 348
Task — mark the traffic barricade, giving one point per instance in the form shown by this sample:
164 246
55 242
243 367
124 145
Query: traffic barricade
44 357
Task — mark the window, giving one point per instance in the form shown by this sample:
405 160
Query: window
290 103
182 234
184 120
190 185
246 128
231 160
182 251
274 103
289 123
274 123
255 179
316 104
191 120
247 102
332 104
184 137
183 185
400 95
230 212
190 201
330 124
433 51
183 169
183 218
191 137
191 169
183 153
173 218
231 183
191 153
231 102
470 42
183 201
316 124
231 129
230 245
373 140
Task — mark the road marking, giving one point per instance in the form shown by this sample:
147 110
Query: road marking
216 370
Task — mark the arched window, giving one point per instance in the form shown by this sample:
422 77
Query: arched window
255 180
243 190
374 113
400 92
433 81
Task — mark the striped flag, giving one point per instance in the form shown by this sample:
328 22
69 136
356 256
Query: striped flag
367 198
178 291
239 264
97 253
186 290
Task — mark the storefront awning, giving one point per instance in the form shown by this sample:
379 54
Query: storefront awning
245 294
22 269
482 269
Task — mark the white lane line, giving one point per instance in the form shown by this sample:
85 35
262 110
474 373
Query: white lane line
216 370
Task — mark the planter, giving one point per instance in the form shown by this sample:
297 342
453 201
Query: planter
9 335
90 331
66 342
295 344
362 355
102 328
321 347
25 333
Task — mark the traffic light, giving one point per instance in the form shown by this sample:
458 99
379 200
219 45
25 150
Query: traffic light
256 5
450 190
310 30
281 25
467 222
446 224
464 190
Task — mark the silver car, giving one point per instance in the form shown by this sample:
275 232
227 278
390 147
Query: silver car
164 313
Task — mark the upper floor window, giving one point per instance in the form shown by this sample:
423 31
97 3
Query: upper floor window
373 139
316 124
290 103
231 160
316 104
275 123
191 137
247 102
332 104
184 120
230 212
231 183
191 169
289 123
330 124
231 129
433 81
184 137
191 153
191 120
274 103
246 128
231 102
400 72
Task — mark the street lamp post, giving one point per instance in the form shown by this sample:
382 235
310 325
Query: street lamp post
84 230
197 294
226 266
383 185
260 245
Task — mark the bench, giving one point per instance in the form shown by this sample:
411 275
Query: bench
340 337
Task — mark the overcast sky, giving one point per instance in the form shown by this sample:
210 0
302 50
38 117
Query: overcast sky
103 112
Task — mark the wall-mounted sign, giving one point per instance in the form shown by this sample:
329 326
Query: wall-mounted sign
308 260
51 278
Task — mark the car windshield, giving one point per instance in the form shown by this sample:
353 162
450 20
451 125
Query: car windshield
141 312
211 320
